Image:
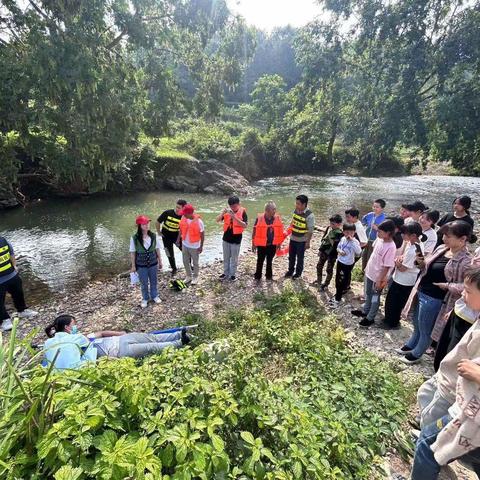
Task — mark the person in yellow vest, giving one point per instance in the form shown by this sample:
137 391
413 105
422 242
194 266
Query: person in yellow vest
303 223
169 221
192 236
10 282
234 219
267 237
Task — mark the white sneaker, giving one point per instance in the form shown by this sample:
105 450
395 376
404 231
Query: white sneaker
6 325
194 281
333 303
144 304
157 299
28 313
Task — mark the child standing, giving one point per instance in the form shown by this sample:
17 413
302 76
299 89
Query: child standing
404 276
328 250
371 221
347 250
377 271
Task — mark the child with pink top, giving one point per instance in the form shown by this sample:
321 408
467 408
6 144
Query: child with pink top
377 272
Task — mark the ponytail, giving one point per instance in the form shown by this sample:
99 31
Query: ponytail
59 324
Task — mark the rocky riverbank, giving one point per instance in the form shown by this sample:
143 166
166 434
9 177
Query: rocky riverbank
114 304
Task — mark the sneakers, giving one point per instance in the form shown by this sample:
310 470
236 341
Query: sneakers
384 326
194 281
188 280
185 337
297 275
403 350
6 325
365 323
288 274
173 272
358 313
332 303
143 304
27 313
233 278
222 276
409 359
157 300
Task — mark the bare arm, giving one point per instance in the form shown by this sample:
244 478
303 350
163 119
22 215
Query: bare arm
157 226
202 236
132 259
159 257
13 261
219 219
108 333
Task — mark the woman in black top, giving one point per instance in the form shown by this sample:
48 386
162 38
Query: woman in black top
461 211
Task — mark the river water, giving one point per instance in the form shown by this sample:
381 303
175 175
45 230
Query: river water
62 244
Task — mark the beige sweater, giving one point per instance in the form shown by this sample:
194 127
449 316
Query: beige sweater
462 434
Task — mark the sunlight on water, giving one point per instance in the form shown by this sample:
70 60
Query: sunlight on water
62 244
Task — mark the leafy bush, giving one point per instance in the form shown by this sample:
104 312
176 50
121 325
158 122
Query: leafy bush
276 394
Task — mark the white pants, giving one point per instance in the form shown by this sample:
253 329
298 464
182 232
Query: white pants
231 251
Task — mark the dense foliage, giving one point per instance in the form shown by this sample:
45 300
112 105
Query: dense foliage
379 81
275 394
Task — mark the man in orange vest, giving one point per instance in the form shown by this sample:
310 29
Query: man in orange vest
234 219
267 237
192 236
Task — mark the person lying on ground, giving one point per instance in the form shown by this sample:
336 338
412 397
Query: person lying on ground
70 349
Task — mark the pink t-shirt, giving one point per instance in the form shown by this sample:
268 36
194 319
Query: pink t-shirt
383 255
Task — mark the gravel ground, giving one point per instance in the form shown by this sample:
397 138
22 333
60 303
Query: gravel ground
114 304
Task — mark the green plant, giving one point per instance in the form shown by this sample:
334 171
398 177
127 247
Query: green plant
271 393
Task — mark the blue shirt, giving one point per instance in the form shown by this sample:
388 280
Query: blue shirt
75 350
8 277
370 219
351 248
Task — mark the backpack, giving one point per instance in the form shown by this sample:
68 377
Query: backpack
177 285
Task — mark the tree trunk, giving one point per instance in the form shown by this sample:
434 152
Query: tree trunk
331 141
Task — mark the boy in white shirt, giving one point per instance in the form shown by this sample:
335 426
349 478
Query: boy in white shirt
404 276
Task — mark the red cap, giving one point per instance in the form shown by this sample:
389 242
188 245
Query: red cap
142 220
187 210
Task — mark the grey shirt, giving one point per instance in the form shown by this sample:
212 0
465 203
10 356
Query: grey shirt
310 219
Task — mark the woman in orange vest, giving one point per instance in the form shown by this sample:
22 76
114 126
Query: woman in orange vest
234 219
192 236
267 237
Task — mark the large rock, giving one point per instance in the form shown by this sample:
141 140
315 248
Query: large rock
7 198
210 176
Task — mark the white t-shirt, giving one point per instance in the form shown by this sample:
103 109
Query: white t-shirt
146 244
429 244
360 231
409 277
187 243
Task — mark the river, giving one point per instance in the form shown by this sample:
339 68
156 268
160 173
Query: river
63 244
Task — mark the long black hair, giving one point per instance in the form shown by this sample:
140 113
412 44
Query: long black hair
465 201
59 324
139 235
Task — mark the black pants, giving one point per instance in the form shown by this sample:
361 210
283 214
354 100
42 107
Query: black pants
296 255
15 289
395 302
453 332
343 278
263 253
168 244
330 261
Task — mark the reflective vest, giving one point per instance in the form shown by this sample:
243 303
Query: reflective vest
171 224
145 257
228 222
261 231
6 266
299 223
192 229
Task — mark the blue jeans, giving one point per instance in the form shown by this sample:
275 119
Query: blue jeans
296 254
372 299
424 316
146 275
425 467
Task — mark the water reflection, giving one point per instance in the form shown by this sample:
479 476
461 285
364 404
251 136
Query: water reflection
61 244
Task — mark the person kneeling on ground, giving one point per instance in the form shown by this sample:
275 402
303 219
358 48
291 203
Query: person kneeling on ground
267 237
377 272
327 252
10 282
69 349
348 248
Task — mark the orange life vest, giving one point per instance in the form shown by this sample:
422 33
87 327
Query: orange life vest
261 229
192 229
229 222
